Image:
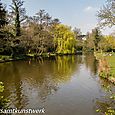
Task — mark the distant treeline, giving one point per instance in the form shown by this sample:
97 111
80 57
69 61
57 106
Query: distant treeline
22 34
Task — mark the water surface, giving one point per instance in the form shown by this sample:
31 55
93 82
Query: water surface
64 85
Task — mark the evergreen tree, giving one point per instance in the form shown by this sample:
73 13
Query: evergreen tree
2 15
18 15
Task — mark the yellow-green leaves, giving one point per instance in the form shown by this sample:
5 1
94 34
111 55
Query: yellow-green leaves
1 87
64 39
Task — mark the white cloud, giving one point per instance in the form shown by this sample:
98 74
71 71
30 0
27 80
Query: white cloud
90 9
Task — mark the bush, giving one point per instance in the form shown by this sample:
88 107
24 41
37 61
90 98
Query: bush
3 101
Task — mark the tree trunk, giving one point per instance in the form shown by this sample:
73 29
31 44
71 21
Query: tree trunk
17 23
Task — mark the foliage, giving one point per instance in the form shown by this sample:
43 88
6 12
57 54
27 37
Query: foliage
96 34
5 57
3 101
106 68
93 39
17 15
41 34
106 14
3 20
107 44
64 40
89 43
77 32
106 106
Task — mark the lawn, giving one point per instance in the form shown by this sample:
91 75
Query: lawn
108 60
111 61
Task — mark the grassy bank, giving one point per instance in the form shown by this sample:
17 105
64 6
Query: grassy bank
111 61
106 67
5 58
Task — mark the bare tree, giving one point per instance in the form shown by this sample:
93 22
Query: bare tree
106 14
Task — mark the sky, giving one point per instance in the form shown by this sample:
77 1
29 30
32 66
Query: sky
76 13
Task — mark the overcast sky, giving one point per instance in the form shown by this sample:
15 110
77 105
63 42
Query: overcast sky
75 13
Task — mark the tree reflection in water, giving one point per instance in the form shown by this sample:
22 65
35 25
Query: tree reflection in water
37 77
91 63
33 83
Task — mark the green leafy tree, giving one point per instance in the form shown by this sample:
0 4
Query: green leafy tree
89 43
106 14
64 39
92 40
40 32
96 35
78 35
107 43
5 35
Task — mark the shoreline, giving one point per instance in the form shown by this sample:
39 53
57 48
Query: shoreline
106 66
29 56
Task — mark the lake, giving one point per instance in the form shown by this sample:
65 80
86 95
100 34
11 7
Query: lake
62 85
